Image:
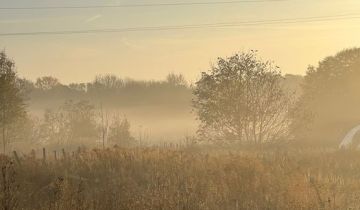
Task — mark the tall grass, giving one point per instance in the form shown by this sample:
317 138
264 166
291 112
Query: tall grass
169 178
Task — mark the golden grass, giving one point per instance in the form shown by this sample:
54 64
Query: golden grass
169 178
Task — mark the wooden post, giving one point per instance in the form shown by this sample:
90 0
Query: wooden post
44 155
64 153
17 157
55 155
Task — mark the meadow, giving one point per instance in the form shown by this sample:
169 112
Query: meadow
174 177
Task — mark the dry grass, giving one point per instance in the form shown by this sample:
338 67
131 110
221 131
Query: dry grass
165 178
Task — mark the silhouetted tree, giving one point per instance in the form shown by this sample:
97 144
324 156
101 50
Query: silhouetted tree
112 91
26 87
292 85
329 105
108 81
54 128
119 132
74 122
22 132
176 79
241 98
81 119
12 106
47 83
80 87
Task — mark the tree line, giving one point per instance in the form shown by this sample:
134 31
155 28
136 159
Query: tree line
242 98
110 91
70 123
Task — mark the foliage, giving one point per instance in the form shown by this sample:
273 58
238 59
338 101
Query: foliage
111 91
329 105
72 123
47 83
241 98
81 119
12 106
119 132
23 132
77 124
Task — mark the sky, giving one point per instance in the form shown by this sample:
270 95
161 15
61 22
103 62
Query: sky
154 54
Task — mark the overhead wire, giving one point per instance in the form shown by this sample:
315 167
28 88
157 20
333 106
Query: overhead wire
140 5
193 26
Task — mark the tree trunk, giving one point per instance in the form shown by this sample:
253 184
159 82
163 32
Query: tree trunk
3 137
4 130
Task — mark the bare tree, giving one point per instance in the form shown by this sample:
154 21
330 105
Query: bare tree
176 79
108 81
104 125
241 98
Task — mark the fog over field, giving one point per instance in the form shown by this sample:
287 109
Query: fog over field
179 105
165 114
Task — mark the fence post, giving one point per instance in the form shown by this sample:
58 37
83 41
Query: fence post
17 157
44 155
64 153
55 155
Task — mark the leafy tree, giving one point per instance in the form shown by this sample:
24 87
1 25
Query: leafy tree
26 87
22 133
47 83
119 132
81 119
54 128
329 105
112 91
241 98
74 122
80 87
292 85
12 106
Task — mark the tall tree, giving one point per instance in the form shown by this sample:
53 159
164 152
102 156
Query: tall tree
176 79
329 105
241 98
119 132
11 103
72 124
47 83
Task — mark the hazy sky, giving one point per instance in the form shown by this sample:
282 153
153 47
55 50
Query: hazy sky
153 54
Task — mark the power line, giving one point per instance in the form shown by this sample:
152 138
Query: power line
193 26
140 5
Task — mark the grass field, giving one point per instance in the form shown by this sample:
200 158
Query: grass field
182 178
